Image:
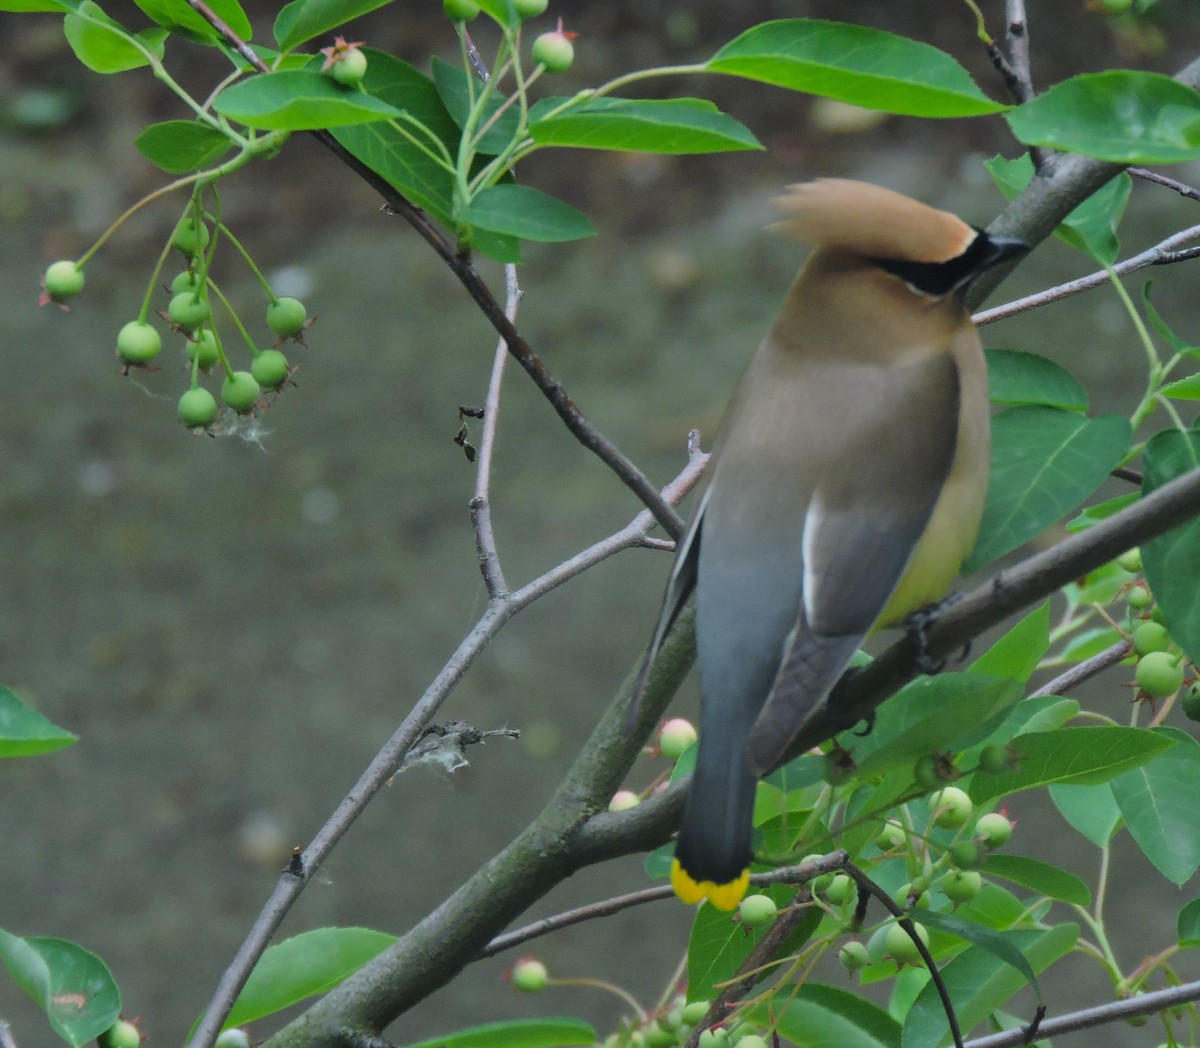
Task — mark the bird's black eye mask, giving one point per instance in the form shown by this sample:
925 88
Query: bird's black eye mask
938 279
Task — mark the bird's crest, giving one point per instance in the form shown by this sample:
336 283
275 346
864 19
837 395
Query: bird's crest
871 221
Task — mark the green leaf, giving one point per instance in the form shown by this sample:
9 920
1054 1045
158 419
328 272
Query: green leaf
180 146
302 966
1016 377
395 157
301 20
527 213
988 939
105 46
25 6
1158 805
670 126
1170 560
523 1033
1097 587
928 714
72 984
1040 877
299 100
1092 226
178 16
1124 116
454 89
1043 713
1045 462
719 943
502 11
24 732
1017 654
658 862
1160 325
1088 643
1184 389
1101 511
1092 810
820 1016
979 982
1080 756
1188 924
855 64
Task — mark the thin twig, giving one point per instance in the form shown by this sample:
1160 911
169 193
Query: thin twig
798 874
385 764
1085 670
576 422
1101 1015
476 59
481 503
1017 34
1125 473
1162 253
1182 188
904 917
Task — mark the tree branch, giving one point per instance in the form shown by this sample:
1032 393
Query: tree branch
579 426
1085 670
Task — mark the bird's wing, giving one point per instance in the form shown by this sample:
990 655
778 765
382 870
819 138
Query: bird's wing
679 587
860 530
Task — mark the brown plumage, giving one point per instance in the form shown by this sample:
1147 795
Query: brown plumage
844 491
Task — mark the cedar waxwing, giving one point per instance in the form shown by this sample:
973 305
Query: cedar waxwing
845 489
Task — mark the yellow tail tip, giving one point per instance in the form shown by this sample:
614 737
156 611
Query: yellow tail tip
722 896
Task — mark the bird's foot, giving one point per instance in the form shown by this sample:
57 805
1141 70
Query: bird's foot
917 627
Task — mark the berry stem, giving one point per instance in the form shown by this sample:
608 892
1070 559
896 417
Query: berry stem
603 984
241 250
144 312
237 322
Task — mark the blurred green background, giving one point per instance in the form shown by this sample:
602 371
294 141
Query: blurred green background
234 626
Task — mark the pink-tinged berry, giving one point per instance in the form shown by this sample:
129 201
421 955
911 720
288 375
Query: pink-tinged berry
994 829
138 343
951 807
623 800
675 737
554 50
62 281
529 975
345 62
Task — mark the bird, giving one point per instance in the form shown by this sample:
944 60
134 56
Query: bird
845 488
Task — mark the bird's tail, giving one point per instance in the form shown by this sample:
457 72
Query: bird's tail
712 855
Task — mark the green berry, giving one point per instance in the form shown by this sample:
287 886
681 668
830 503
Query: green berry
694 1012
188 311
1159 674
854 956
658 1036
529 975
286 317
270 369
235 1038
994 829
993 759
554 51
121 1034
240 391
184 281
530 8
1139 598
757 910
1191 703
623 800
460 10
138 343
752 1040
818 884
204 348
1151 636
197 407
877 950
962 885
913 894
349 67
951 807
891 836
928 772
714 1037
675 737
190 239
965 855
900 946
62 280
1131 560
840 890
